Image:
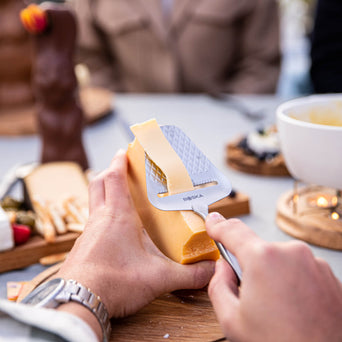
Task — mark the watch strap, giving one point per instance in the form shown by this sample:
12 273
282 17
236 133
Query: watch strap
76 292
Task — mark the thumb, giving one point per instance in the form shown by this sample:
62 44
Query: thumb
194 276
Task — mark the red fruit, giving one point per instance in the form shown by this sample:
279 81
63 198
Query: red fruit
21 233
34 19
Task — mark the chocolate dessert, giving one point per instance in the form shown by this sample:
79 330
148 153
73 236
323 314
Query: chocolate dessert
257 153
60 115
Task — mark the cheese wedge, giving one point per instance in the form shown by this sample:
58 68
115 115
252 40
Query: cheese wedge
180 235
53 182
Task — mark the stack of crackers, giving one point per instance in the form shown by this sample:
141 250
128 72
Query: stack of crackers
68 215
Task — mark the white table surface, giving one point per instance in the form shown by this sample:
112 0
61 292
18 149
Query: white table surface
209 123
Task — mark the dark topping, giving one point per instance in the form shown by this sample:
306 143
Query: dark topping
232 194
264 156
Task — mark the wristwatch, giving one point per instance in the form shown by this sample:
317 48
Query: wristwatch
58 291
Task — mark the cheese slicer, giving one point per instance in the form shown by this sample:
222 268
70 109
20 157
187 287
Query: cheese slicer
210 185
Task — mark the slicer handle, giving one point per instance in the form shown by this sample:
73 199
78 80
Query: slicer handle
201 209
231 259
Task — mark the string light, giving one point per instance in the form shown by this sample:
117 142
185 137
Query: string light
334 215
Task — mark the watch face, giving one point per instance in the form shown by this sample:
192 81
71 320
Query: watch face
45 292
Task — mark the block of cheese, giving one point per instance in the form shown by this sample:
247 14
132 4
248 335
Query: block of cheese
180 235
6 233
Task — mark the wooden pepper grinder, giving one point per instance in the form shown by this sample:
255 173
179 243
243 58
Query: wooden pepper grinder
60 116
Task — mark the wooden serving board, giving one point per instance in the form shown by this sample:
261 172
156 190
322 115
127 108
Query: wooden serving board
181 316
36 248
311 225
240 161
232 207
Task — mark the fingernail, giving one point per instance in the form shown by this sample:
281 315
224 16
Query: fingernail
215 217
120 151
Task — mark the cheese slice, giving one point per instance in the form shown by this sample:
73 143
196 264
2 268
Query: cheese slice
157 147
180 235
6 233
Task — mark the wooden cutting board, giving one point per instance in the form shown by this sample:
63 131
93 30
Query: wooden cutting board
182 316
36 248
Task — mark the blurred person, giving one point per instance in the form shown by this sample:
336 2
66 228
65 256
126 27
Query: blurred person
286 293
169 46
326 47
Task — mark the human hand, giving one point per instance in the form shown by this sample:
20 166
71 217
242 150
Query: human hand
286 293
115 257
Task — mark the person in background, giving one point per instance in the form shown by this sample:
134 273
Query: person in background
326 47
168 46
286 293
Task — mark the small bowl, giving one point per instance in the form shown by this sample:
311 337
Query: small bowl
310 133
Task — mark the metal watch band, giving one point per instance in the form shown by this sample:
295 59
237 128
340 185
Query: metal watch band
74 291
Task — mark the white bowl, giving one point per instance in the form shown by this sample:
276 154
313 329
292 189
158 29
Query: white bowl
312 152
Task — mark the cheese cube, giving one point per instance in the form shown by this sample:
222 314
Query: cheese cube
6 233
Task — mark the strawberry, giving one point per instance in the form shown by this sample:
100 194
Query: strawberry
21 233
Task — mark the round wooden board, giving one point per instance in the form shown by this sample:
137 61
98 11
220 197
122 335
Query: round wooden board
240 161
96 103
313 226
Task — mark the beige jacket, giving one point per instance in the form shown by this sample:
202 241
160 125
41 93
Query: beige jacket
202 46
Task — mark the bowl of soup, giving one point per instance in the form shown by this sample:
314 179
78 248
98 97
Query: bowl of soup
310 133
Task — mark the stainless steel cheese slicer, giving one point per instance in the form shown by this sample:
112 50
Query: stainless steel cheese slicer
210 185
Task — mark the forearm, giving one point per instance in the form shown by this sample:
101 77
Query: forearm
93 49
260 78
30 323
258 67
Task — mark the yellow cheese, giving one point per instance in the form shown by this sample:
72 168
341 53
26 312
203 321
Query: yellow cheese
180 235
53 182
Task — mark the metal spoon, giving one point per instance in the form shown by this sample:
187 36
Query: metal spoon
233 102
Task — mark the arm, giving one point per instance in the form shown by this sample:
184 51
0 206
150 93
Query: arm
115 258
286 292
258 64
93 49
27 323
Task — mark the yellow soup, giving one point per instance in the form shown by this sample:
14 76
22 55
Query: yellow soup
327 114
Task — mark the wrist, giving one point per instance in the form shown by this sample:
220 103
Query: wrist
62 293
81 295
89 280
85 314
